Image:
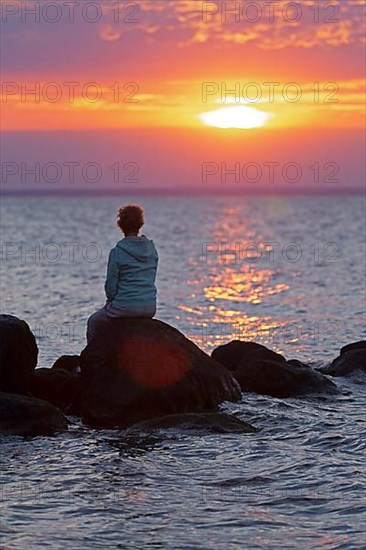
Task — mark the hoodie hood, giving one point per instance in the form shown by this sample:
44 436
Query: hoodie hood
140 248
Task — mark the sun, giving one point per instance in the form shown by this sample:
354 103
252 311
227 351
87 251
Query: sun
235 117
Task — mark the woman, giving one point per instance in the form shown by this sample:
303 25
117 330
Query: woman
132 265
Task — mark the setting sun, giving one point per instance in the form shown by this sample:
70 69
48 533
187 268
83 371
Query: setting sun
235 117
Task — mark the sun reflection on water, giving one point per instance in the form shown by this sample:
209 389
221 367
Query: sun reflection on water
229 296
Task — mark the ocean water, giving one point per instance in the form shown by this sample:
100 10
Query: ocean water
288 272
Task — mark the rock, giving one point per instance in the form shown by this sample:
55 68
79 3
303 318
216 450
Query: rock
354 346
281 378
57 386
71 363
212 422
261 370
28 416
262 354
18 355
351 359
297 363
229 355
143 368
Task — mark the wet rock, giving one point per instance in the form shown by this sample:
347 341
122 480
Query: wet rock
361 345
262 354
18 355
351 359
57 386
229 355
213 422
28 416
281 378
71 363
297 363
143 368
261 370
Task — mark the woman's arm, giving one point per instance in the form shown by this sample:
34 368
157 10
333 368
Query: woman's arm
110 286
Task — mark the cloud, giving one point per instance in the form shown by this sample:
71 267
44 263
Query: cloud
109 33
170 23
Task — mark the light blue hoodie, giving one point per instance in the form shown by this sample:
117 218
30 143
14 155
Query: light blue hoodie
131 273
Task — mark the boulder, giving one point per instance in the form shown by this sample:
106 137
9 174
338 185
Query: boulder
57 386
266 372
137 369
28 416
354 346
71 363
18 355
262 354
351 359
229 355
282 378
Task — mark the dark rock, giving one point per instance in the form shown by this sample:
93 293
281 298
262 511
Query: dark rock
229 355
261 370
281 378
263 354
351 359
57 386
212 422
297 363
18 355
354 346
71 363
143 368
28 416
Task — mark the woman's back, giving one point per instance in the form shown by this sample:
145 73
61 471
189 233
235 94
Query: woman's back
131 273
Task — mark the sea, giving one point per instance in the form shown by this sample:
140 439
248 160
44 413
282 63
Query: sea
284 271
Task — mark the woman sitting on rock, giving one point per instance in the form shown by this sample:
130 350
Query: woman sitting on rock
132 265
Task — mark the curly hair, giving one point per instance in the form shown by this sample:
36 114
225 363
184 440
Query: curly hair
130 218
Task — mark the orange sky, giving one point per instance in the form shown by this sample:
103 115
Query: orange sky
162 56
330 104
